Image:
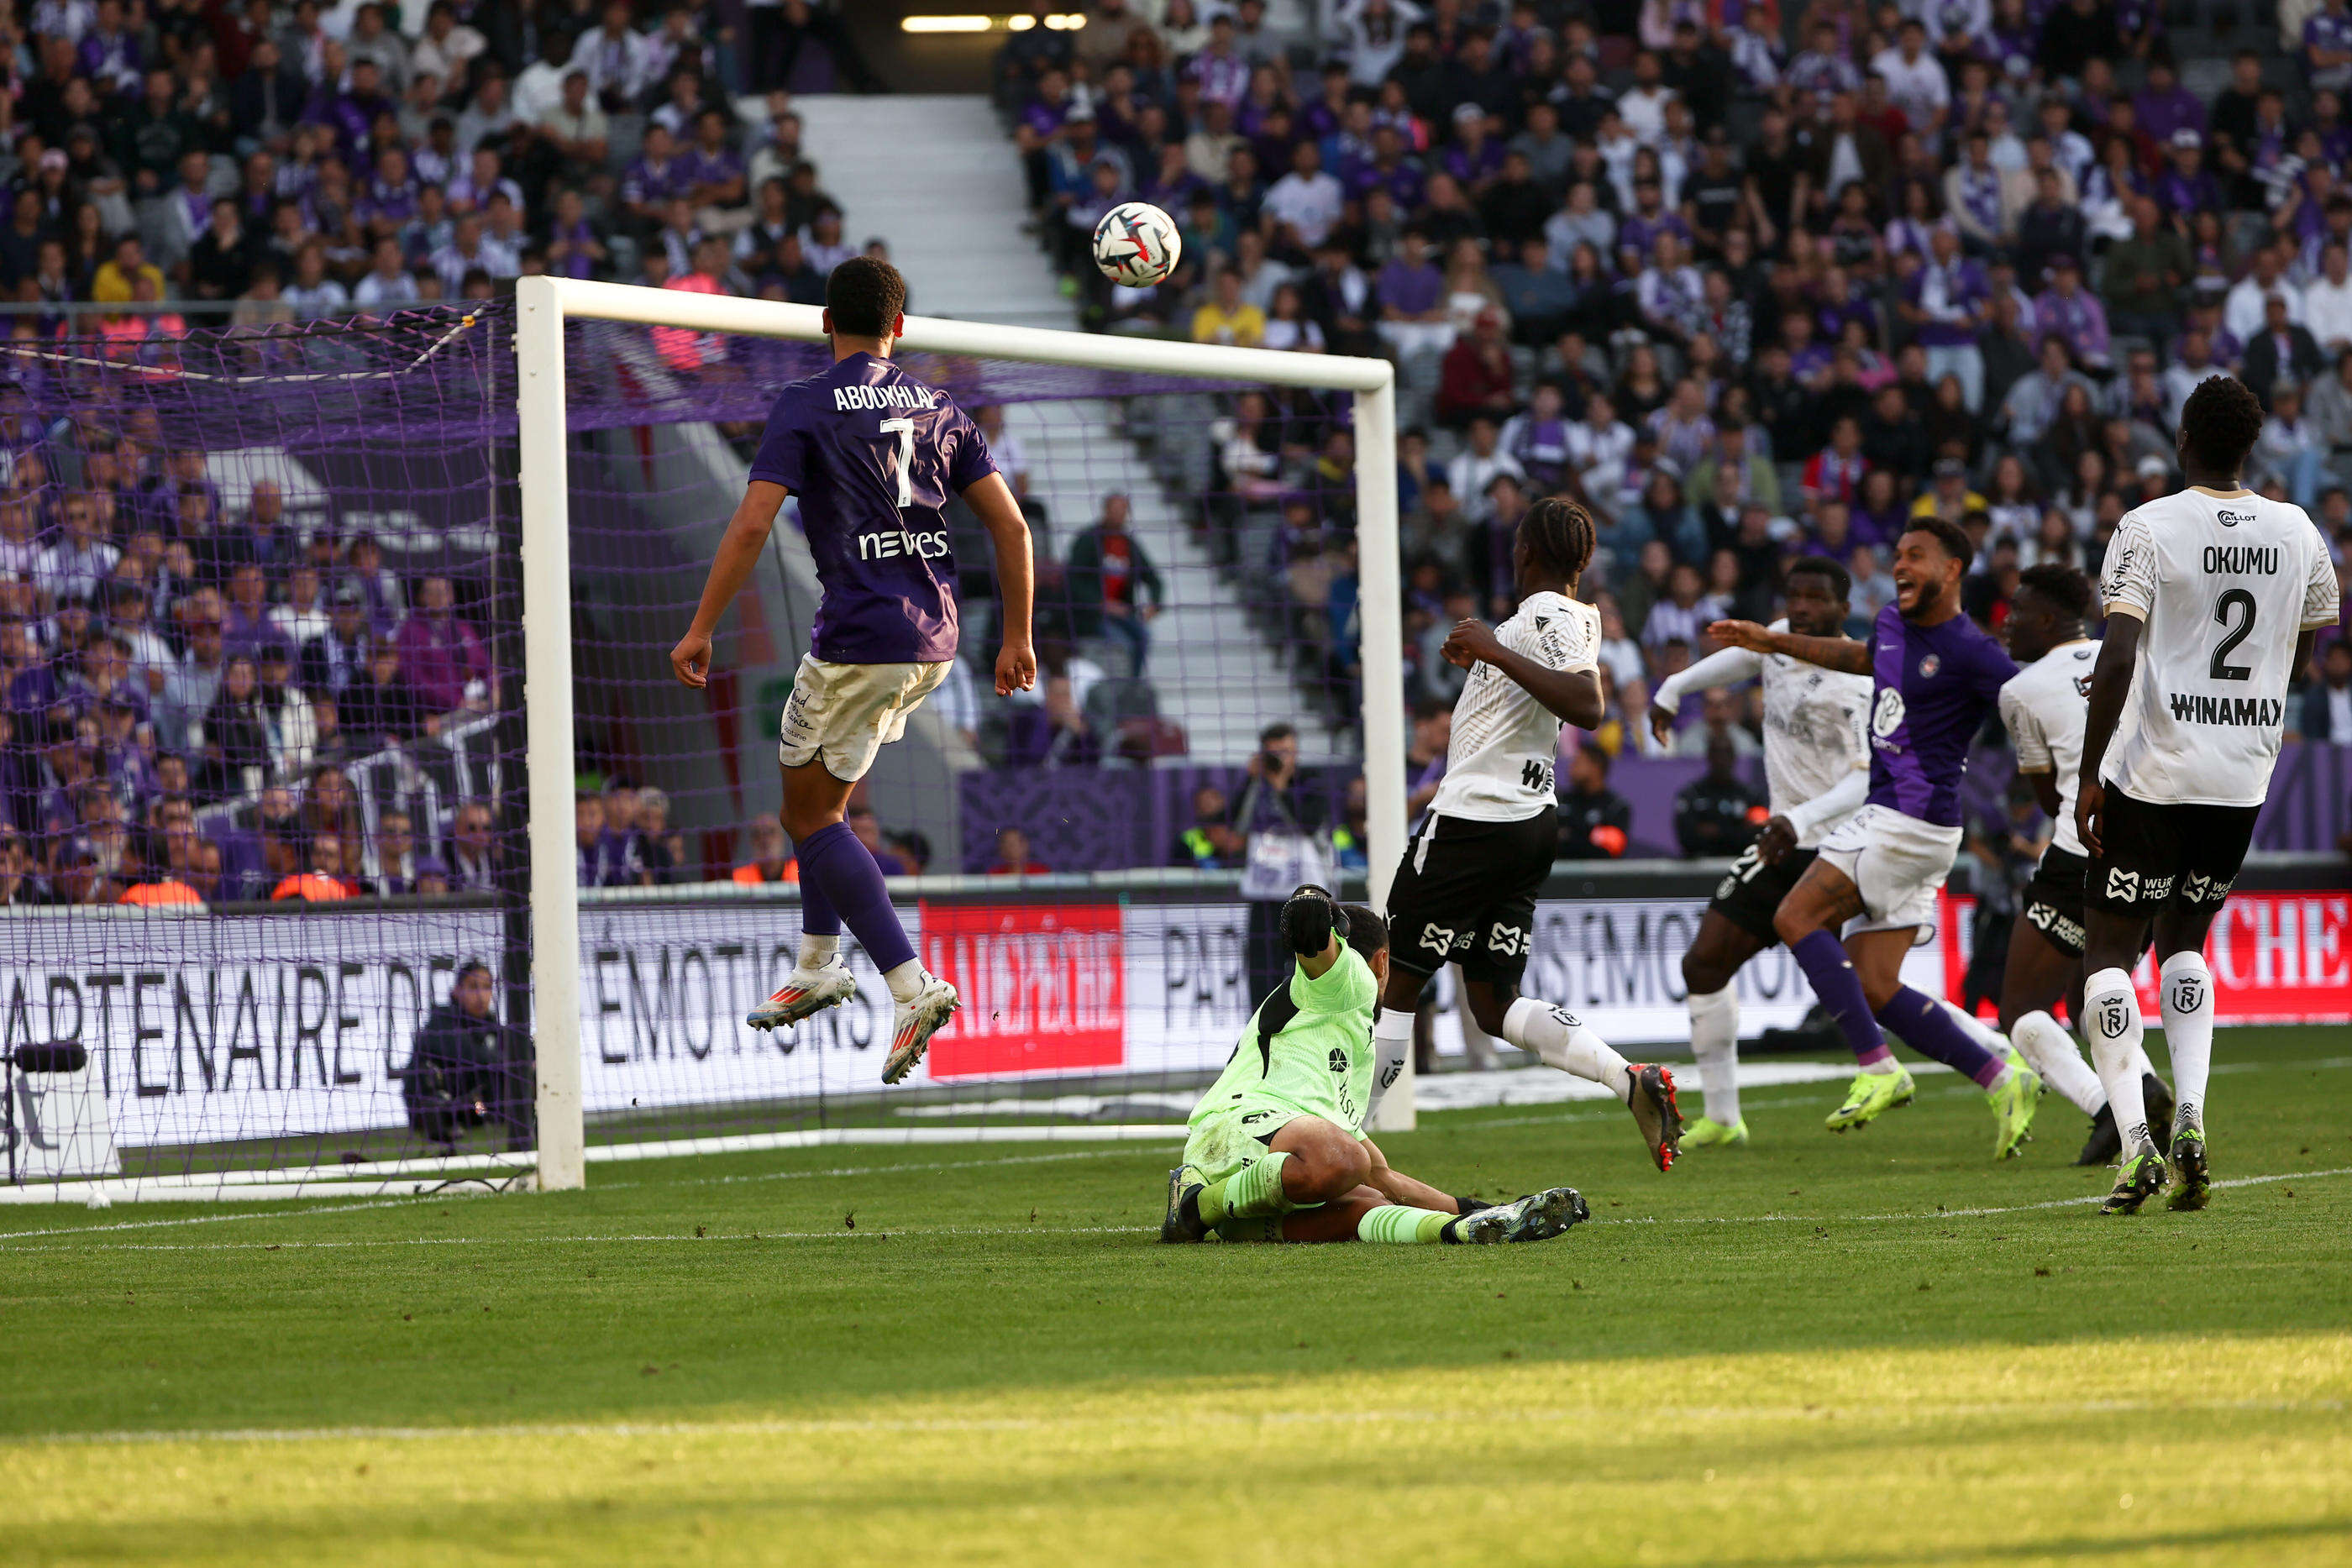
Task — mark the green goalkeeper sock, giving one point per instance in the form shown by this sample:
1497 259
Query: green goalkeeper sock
1401 1226
1254 1190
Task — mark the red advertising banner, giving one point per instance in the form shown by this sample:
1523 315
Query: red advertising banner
1043 986
2276 958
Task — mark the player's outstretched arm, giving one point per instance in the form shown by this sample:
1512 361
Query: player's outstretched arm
1572 696
2110 684
1722 667
1841 653
730 568
990 500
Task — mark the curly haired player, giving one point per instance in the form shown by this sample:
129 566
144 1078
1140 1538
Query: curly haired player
1467 890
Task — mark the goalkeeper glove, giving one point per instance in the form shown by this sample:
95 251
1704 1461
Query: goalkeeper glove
1307 920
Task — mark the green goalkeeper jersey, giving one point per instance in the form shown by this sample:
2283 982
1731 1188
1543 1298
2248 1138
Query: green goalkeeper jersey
1308 1052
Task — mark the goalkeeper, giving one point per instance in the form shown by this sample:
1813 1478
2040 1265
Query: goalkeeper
1275 1153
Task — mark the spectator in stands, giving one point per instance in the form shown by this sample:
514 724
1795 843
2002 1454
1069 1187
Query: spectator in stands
335 661
1595 821
2327 701
660 847
383 709
441 656
1210 842
602 859
467 1070
1717 813
771 860
1114 586
867 828
1013 856
395 855
473 852
323 879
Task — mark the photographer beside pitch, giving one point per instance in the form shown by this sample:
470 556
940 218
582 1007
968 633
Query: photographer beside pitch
1276 1150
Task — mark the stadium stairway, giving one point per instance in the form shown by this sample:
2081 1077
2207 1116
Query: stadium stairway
952 221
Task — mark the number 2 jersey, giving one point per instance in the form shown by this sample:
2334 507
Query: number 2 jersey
2226 585
873 455
1499 766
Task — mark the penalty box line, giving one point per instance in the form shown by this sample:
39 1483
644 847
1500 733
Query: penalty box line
665 1239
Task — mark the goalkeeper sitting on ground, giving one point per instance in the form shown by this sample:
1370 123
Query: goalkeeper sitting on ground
1275 1153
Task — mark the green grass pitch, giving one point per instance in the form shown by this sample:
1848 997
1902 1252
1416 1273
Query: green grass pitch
1873 1349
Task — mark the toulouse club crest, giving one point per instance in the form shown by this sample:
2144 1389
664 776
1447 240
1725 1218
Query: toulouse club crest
1929 666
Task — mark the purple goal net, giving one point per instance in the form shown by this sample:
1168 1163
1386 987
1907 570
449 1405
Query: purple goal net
263 870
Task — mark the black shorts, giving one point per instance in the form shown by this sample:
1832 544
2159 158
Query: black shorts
2151 855
1749 894
2052 902
1467 894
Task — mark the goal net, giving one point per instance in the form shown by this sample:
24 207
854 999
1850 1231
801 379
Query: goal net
362 841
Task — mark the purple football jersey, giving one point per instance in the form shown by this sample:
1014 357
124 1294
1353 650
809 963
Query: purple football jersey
1935 686
873 453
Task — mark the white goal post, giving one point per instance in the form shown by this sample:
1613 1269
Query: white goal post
543 307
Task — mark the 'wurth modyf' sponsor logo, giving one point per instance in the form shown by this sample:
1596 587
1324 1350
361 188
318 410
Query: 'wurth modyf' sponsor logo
2239 712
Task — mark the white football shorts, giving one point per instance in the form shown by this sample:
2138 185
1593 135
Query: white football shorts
846 713
1898 861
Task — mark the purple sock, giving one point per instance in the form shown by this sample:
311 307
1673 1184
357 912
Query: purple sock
1822 957
1928 1029
837 868
818 918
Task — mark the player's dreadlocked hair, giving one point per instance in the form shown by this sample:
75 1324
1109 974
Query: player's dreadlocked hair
2063 586
2222 419
865 296
1560 536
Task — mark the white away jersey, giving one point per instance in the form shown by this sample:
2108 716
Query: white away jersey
1499 766
2047 706
1816 732
2226 585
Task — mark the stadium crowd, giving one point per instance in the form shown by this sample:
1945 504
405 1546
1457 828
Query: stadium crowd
1747 283
193 698
193 695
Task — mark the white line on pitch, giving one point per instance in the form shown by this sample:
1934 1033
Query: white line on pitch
1581 1415
958 1230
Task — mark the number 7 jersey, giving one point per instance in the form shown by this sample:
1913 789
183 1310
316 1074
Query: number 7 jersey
2226 585
1499 766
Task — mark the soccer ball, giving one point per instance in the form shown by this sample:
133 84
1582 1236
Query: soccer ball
1137 245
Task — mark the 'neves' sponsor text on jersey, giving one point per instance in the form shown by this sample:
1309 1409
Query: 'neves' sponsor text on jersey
874 455
2047 706
2226 584
1499 768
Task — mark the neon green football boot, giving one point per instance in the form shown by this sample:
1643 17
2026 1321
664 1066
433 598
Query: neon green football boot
2013 1105
2137 1179
1707 1132
1870 1096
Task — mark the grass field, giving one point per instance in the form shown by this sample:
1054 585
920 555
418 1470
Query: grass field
1875 1349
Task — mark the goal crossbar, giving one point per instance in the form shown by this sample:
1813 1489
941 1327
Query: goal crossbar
544 304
